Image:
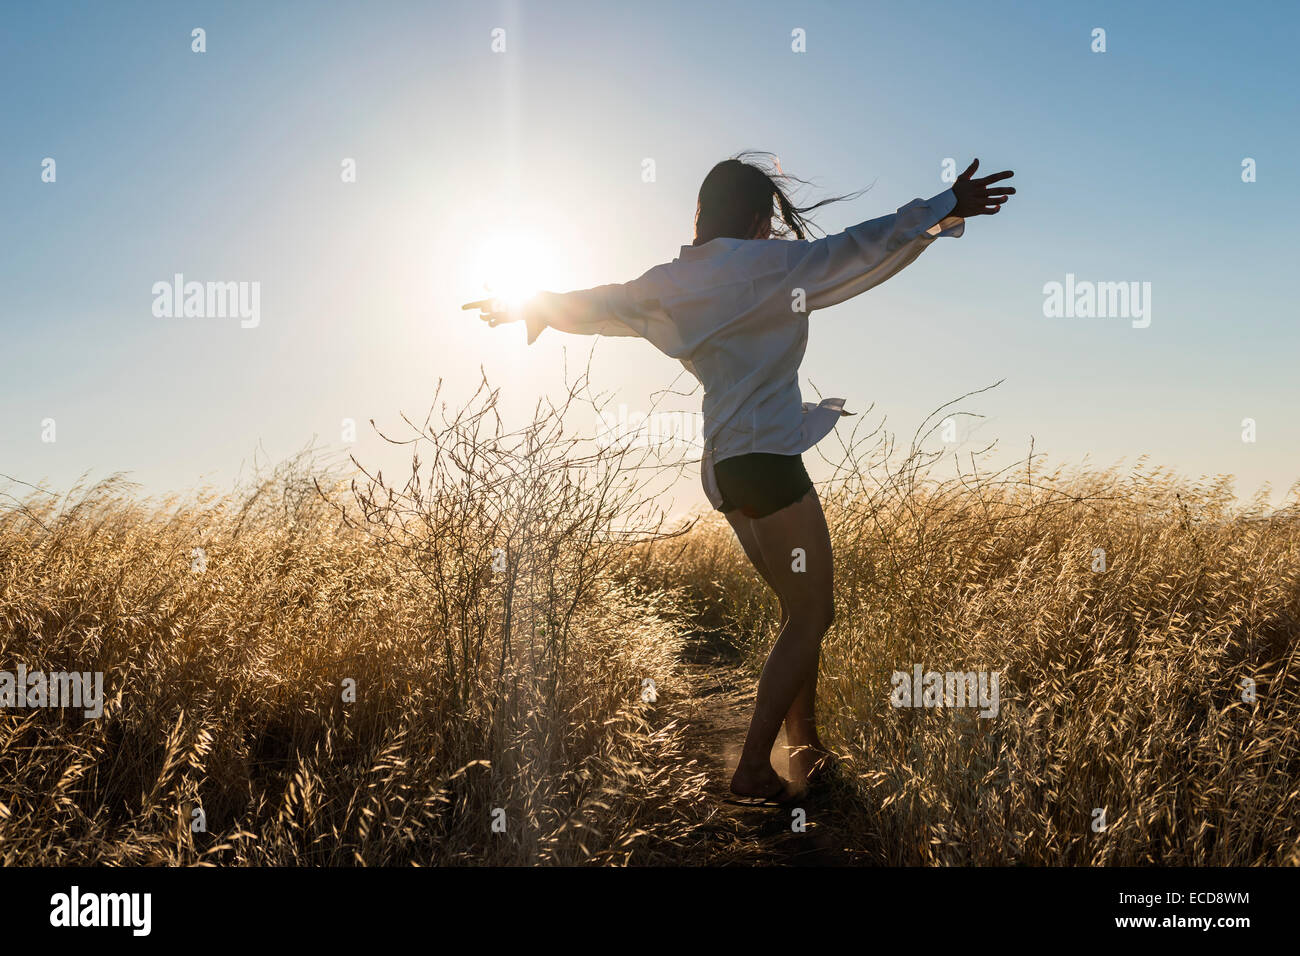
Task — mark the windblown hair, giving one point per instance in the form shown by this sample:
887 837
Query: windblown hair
738 192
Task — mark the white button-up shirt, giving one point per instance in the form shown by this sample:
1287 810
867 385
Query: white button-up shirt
734 312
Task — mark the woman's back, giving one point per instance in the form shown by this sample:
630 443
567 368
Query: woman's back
735 313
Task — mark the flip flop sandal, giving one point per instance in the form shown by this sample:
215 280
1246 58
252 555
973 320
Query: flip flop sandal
779 797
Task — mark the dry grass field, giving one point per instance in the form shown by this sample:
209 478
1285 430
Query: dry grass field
1123 690
451 668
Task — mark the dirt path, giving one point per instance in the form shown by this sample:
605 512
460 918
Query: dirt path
722 702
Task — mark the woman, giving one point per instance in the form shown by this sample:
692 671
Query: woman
733 308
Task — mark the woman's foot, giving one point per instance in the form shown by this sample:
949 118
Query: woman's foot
761 783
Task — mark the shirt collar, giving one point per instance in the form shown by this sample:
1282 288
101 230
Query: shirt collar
710 248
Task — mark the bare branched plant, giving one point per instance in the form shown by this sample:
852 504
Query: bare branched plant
326 668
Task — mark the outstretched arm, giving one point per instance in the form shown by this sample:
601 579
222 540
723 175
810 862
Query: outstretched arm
838 267
603 310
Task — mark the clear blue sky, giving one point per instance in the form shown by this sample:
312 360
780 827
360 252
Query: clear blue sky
225 166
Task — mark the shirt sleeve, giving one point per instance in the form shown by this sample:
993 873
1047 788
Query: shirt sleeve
603 310
835 268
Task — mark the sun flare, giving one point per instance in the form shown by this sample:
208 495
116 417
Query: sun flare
513 266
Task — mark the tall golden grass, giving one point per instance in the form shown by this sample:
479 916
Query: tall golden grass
1123 690
498 667
500 607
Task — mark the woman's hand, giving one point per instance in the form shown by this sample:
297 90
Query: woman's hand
494 311
974 198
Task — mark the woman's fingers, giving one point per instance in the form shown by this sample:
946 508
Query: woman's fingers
489 311
975 198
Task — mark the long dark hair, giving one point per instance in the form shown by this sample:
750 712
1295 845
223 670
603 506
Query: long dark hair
743 189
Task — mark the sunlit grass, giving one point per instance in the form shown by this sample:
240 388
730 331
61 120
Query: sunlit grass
498 609
1121 690
498 670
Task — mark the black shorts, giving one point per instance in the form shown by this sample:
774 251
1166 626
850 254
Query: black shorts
761 484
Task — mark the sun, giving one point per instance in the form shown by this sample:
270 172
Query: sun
514 266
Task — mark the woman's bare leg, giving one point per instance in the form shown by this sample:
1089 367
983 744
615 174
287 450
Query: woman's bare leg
805 588
805 745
